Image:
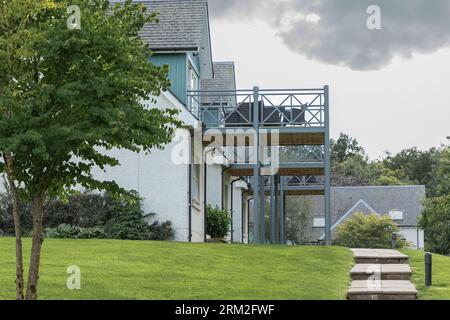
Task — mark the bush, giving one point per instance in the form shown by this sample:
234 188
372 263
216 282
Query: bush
435 221
217 222
367 231
161 231
128 221
67 231
88 215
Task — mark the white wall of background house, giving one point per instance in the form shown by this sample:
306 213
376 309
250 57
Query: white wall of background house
414 236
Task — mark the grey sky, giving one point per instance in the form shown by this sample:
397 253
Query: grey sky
388 87
341 37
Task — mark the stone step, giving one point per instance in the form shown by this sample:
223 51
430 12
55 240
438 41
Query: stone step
379 256
382 290
381 272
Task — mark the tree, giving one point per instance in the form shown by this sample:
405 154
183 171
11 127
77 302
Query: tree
69 95
345 147
13 20
418 166
442 174
435 221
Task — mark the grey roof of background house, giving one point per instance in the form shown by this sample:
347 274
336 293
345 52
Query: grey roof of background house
224 80
381 198
181 24
224 77
365 199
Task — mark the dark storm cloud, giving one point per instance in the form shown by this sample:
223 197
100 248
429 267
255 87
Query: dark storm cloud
341 37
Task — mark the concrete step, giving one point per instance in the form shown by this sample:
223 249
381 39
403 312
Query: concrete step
379 256
381 272
382 290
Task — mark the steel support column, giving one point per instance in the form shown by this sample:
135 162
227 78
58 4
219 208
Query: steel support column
277 211
262 212
256 169
327 170
282 212
273 204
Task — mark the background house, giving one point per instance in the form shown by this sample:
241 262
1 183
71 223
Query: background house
402 203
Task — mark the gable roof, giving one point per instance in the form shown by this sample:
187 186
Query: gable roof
224 80
360 206
182 24
224 77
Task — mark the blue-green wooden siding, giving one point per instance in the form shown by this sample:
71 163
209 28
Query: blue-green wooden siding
177 63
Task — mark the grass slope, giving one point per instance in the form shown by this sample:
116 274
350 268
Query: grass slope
440 290
164 270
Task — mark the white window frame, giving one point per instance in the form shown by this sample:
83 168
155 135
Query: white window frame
193 85
319 222
397 214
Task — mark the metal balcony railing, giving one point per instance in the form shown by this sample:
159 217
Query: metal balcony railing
295 181
275 108
284 154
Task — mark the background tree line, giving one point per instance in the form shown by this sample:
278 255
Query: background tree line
351 167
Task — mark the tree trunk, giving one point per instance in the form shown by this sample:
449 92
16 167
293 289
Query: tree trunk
17 228
36 245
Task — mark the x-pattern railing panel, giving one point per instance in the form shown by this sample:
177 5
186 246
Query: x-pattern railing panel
301 153
276 108
305 180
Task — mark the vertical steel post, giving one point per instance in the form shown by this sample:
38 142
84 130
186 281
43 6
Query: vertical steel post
394 240
262 216
282 213
256 167
327 169
272 210
277 211
428 269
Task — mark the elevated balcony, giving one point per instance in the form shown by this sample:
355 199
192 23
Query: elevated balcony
285 117
277 140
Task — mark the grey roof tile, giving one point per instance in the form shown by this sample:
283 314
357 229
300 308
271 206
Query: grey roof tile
181 24
224 77
224 80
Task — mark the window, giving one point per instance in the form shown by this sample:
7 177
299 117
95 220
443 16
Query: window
319 222
396 215
196 183
193 85
193 79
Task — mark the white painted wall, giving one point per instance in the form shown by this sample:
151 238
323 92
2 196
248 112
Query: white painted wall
239 187
162 177
214 185
414 236
162 184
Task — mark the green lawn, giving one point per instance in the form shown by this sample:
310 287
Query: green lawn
164 270
440 290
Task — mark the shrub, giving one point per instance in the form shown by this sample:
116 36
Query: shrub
367 231
67 231
161 231
89 215
128 222
435 221
217 222
85 210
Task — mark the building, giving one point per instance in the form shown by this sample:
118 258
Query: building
402 203
227 153
246 151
